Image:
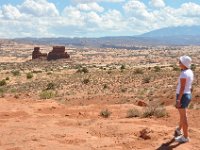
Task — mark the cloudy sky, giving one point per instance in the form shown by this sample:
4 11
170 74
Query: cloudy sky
93 18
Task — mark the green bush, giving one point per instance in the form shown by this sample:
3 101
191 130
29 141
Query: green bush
157 68
82 70
29 75
15 72
122 67
176 68
2 92
105 113
193 67
146 79
124 90
3 82
86 81
105 86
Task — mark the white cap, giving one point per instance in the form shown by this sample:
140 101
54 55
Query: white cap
186 61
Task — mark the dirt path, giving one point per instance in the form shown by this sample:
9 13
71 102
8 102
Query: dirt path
47 125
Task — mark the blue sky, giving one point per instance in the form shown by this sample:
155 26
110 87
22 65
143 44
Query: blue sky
93 18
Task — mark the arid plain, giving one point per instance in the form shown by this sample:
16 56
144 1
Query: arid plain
99 99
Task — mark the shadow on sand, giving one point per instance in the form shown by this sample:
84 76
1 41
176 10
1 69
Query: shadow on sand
170 145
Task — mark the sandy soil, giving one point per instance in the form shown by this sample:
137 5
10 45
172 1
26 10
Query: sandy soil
47 125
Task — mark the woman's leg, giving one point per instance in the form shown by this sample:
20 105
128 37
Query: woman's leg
180 120
183 115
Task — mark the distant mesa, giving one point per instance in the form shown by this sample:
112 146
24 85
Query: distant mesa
58 52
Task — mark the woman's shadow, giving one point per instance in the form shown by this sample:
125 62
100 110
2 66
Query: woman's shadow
170 145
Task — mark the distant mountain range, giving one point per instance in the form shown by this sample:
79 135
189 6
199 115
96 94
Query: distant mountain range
173 36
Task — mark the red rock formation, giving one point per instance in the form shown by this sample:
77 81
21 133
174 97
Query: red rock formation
58 52
37 54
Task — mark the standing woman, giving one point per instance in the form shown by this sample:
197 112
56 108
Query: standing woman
183 97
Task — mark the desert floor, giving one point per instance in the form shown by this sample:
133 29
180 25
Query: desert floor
85 103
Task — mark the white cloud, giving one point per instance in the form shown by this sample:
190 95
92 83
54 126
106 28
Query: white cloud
157 3
10 12
190 10
90 1
38 8
41 18
133 5
90 7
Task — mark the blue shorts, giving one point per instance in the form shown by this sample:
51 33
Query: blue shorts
185 100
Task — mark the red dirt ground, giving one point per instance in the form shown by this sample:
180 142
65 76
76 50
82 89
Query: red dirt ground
47 125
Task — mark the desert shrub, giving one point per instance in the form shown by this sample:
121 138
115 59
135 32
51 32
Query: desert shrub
37 71
146 79
49 73
105 113
124 90
7 78
50 86
47 94
160 112
175 68
105 86
122 67
101 68
3 82
154 110
133 113
15 72
78 66
82 70
109 72
16 96
191 106
157 68
86 81
138 71
193 67
2 92
29 75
